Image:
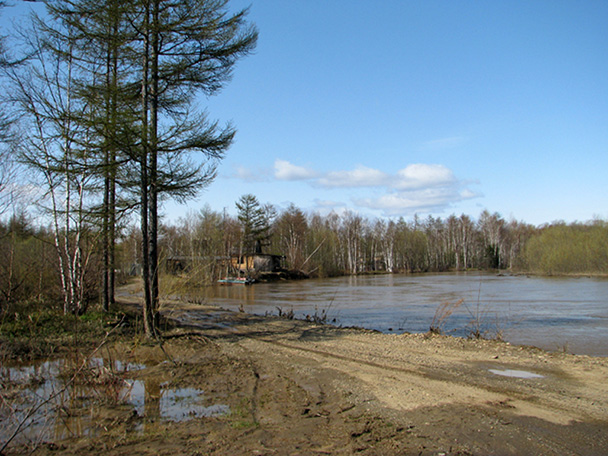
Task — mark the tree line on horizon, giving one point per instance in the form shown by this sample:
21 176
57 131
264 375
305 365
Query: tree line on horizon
317 245
348 243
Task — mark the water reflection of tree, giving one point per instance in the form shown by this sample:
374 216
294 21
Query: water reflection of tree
152 396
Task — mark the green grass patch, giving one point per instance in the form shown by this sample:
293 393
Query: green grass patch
32 330
242 417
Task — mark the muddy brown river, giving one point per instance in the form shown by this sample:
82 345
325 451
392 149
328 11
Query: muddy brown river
556 314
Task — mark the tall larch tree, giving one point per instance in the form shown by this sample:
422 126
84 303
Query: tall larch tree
187 48
136 69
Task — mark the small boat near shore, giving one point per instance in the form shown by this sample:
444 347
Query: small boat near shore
236 280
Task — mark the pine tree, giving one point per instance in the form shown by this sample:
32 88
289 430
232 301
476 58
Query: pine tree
187 47
255 224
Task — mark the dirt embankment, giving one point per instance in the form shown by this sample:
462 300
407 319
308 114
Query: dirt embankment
298 388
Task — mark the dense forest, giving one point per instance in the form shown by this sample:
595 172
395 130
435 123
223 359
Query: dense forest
348 243
317 245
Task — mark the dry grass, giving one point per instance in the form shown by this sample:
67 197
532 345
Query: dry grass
442 313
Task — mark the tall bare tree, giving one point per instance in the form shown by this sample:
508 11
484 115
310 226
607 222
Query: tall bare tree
291 227
7 164
492 230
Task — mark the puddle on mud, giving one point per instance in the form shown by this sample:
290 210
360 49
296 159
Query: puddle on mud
515 373
169 404
36 399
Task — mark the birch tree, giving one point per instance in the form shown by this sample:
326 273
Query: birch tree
351 233
492 229
292 228
101 49
55 148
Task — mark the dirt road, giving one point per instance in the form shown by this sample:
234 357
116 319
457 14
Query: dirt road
410 394
297 388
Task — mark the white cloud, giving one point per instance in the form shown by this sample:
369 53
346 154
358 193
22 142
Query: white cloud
250 174
361 176
419 187
433 199
422 176
468 194
284 170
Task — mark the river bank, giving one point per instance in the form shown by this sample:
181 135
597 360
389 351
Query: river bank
295 387
556 314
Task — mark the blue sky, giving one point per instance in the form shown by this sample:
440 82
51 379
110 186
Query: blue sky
393 108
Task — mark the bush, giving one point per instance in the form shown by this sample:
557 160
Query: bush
569 249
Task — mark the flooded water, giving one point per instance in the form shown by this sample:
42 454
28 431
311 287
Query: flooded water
42 403
515 373
569 314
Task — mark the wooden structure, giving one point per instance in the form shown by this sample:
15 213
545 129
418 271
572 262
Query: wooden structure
256 263
245 265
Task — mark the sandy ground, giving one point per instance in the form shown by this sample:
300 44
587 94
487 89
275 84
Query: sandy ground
297 388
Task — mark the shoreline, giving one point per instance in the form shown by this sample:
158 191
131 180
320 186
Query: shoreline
395 333
298 387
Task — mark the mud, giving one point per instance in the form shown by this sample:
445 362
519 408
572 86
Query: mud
297 388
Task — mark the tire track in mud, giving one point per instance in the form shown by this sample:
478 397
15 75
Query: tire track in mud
425 386
440 389
445 372
457 375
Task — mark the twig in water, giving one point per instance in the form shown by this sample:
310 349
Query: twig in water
442 313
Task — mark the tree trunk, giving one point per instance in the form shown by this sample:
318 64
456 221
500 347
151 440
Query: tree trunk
153 160
105 279
149 327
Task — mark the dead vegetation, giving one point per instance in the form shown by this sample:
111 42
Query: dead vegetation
442 313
